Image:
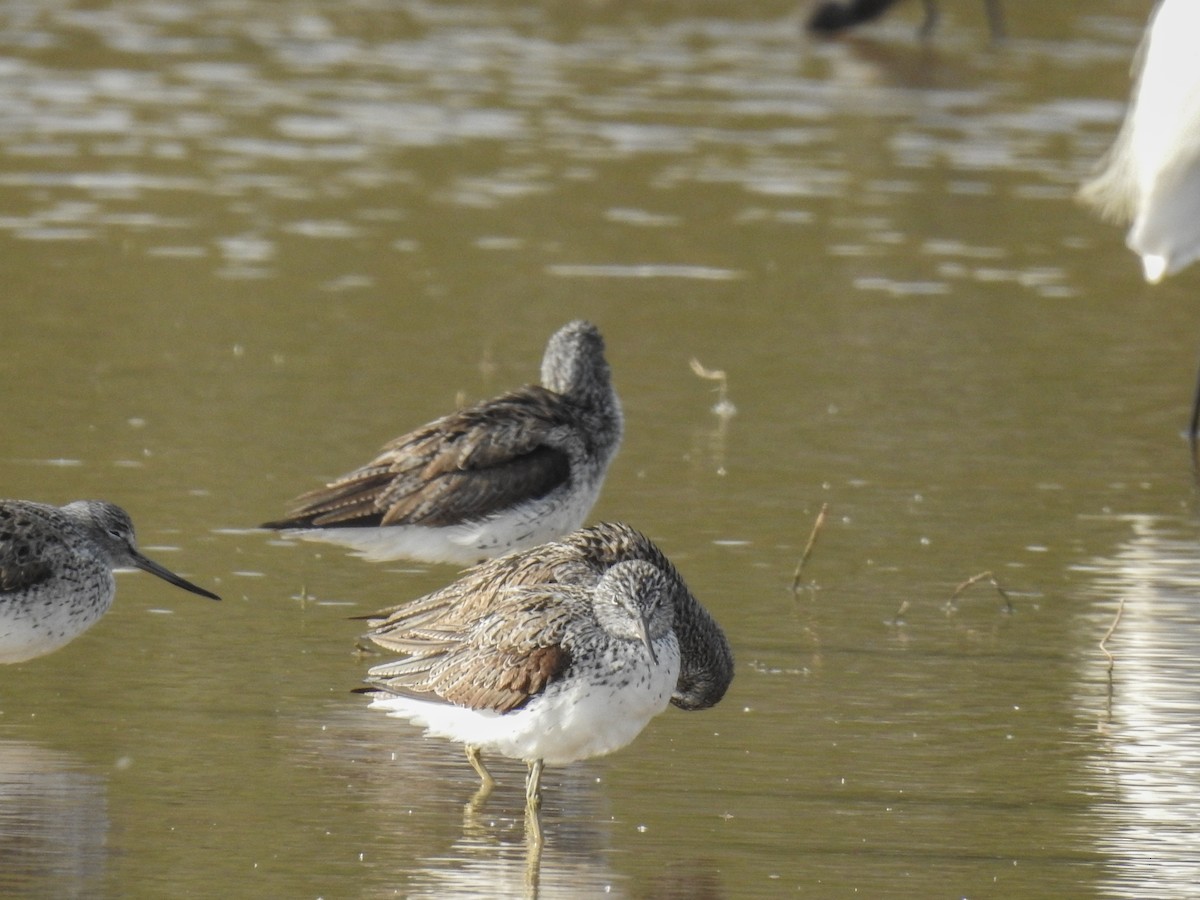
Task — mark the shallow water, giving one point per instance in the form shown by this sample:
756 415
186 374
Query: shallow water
245 244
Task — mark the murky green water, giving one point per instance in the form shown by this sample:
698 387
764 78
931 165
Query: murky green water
243 244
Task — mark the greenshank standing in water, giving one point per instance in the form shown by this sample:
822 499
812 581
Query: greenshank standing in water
506 474
554 654
56 567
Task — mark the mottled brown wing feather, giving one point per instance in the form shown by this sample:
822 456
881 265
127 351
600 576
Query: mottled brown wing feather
496 662
471 494
464 466
506 683
474 593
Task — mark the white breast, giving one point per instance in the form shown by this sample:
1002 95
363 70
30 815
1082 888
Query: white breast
578 717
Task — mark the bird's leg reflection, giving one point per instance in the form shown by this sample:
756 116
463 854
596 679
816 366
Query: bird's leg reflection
931 19
995 19
533 818
534 841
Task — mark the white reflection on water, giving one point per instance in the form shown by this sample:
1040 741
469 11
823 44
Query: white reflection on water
53 824
702 273
1153 735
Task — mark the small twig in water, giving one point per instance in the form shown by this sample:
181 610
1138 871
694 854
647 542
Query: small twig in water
724 408
1109 633
808 548
973 580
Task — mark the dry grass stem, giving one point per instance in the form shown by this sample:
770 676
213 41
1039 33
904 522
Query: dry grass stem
975 579
723 408
808 548
1109 633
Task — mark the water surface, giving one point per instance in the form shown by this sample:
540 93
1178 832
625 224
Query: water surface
245 244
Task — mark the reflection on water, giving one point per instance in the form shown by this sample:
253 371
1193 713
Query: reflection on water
1152 737
53 824
406 782
482 865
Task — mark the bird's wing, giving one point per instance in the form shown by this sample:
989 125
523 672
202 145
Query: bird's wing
26 553
462 467
496 661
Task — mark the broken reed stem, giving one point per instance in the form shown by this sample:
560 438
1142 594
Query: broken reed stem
709 374
975 579
1109 633
723 408
808 548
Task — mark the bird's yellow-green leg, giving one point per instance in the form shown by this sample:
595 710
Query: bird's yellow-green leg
485 776
533 785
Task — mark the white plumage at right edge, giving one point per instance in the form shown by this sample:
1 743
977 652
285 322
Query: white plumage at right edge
1151 176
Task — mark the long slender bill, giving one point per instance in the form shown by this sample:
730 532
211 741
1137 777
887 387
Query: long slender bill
148 565
644 628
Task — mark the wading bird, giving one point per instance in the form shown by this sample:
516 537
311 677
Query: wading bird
506 474
552 655
56 565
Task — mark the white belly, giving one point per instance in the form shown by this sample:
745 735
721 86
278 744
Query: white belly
40 622
576 718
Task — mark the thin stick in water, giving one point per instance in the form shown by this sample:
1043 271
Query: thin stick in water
1109 633
724 409
973 580
808 548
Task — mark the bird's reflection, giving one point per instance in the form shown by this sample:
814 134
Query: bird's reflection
442 841
1151 755
53 824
